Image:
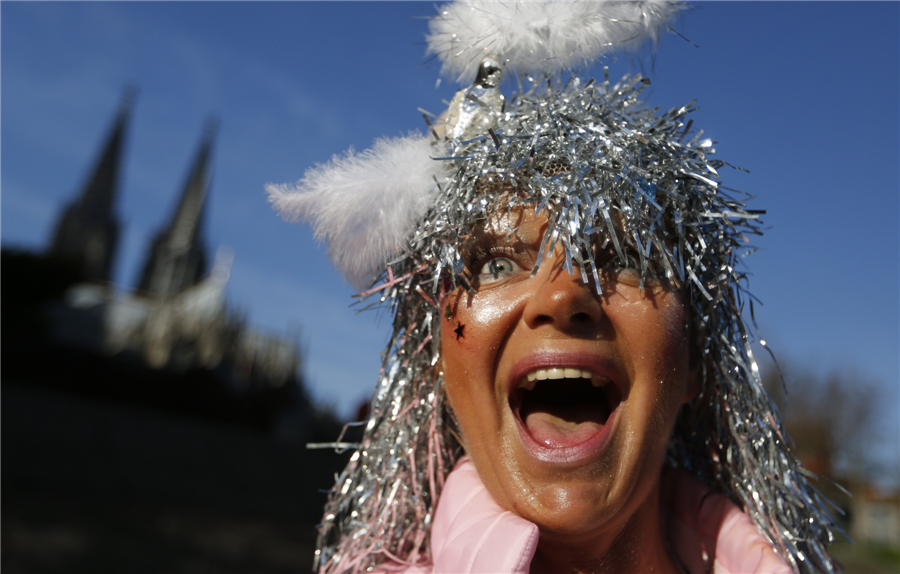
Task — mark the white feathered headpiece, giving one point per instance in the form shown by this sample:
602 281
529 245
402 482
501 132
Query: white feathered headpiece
364 206
536 37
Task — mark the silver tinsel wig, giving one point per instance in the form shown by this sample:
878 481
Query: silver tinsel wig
607 172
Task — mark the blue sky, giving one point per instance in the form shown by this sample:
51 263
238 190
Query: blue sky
804 95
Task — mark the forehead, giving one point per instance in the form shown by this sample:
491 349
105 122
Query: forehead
515 225
521 224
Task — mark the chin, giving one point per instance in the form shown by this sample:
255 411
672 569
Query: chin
570 509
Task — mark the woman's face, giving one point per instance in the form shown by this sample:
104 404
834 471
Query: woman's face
566 398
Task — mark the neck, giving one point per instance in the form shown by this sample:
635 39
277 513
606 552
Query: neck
636 546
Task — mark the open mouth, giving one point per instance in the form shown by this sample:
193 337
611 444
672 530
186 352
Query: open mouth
564 407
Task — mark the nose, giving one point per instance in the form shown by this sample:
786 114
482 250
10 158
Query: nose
562 300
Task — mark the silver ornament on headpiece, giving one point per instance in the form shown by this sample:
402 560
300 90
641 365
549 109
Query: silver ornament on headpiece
475 110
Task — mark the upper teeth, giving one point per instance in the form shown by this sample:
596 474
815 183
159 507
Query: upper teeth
560 373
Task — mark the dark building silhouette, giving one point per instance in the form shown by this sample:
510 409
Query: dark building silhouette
178 318
88 231
177 258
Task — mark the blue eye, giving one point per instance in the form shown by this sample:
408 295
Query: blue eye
498 266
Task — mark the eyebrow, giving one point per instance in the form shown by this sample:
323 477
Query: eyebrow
499 229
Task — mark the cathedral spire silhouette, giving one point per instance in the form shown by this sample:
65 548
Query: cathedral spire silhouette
177 257
88 231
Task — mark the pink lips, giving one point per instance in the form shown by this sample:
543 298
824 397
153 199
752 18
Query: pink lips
582 445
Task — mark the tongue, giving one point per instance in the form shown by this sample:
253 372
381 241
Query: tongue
559 427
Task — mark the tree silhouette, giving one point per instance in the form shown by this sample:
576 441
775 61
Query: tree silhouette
831 419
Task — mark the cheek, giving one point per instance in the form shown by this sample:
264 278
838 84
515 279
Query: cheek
672 353
657 341
477 324
672 326
472 338
658 333
465 351
679 346
458 332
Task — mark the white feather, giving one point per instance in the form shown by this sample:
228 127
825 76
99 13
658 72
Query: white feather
538 37
365 205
